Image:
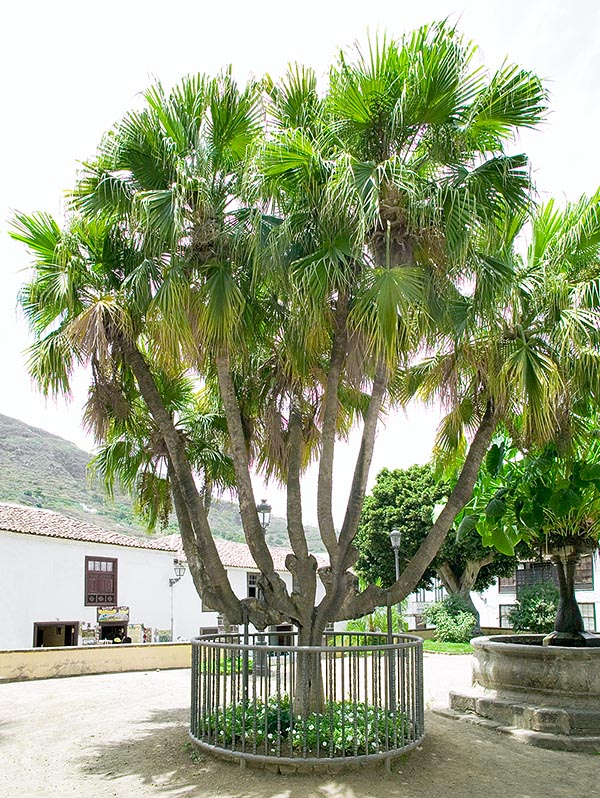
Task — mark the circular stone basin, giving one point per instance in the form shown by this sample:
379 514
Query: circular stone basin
515 663
543 695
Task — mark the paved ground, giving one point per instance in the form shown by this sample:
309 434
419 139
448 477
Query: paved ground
125 736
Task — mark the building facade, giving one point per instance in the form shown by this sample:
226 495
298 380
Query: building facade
66 582
495 603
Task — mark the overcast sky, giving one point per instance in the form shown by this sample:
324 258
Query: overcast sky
69 70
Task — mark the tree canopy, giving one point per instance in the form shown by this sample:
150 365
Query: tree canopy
308 259
406 500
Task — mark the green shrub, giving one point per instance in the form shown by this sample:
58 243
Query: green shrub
535 611
342 729
452 619
377 622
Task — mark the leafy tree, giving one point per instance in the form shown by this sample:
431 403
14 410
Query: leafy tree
406 500
552 502
293 252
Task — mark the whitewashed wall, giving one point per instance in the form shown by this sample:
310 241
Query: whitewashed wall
43 580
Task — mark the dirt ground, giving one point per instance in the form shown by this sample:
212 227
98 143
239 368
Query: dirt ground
125 736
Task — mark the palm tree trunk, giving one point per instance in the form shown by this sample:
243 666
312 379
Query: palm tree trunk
568 615
273 586
329 429
206 567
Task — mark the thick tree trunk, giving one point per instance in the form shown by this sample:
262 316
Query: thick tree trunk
568 616
308 683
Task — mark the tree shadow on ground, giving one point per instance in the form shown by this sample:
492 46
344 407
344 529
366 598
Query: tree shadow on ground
456 759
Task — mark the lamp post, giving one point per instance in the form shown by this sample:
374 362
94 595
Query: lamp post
395 539
264 513
179 568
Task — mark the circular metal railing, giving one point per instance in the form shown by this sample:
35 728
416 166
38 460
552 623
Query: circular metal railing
358 697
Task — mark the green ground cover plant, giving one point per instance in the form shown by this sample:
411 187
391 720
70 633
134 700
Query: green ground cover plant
439 647
343 728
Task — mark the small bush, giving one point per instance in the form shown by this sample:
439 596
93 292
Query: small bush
452 620
535 611
342 729
377 622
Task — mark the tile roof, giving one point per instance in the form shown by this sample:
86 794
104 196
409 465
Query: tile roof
47 523
35 521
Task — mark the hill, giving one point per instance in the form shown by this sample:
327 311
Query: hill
42 470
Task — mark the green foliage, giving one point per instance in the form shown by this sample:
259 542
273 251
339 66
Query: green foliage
228 665
535 610
377 622
343 728
405 500
453 621
401 500
544 498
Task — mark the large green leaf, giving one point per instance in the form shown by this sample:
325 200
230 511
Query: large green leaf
468 524
563 501
494 458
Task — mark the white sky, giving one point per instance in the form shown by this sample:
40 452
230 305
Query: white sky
69 70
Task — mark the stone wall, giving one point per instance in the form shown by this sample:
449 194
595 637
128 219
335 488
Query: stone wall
49 663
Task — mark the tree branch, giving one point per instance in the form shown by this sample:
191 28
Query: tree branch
363 463
373 596
185 493
329 429
255 537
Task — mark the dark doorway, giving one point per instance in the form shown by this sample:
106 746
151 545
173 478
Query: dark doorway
281 635
51 634
108 631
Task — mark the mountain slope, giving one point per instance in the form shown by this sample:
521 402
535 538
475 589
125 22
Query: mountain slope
42 470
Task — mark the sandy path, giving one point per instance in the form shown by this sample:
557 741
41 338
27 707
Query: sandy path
125 736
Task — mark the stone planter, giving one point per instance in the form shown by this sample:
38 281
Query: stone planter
544 695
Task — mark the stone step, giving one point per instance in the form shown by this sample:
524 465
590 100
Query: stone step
528 716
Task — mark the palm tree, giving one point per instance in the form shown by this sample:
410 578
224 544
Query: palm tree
293 251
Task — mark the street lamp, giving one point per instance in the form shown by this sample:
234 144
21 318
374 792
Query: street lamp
179 568
395 539
264 511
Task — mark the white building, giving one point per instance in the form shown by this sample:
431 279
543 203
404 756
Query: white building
496 601
60 577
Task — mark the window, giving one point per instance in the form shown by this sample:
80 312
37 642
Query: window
533 573
100 582
503 611
588 613
421 595
254 590
584 574
507 584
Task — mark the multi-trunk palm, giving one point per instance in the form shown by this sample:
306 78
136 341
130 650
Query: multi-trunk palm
294 250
